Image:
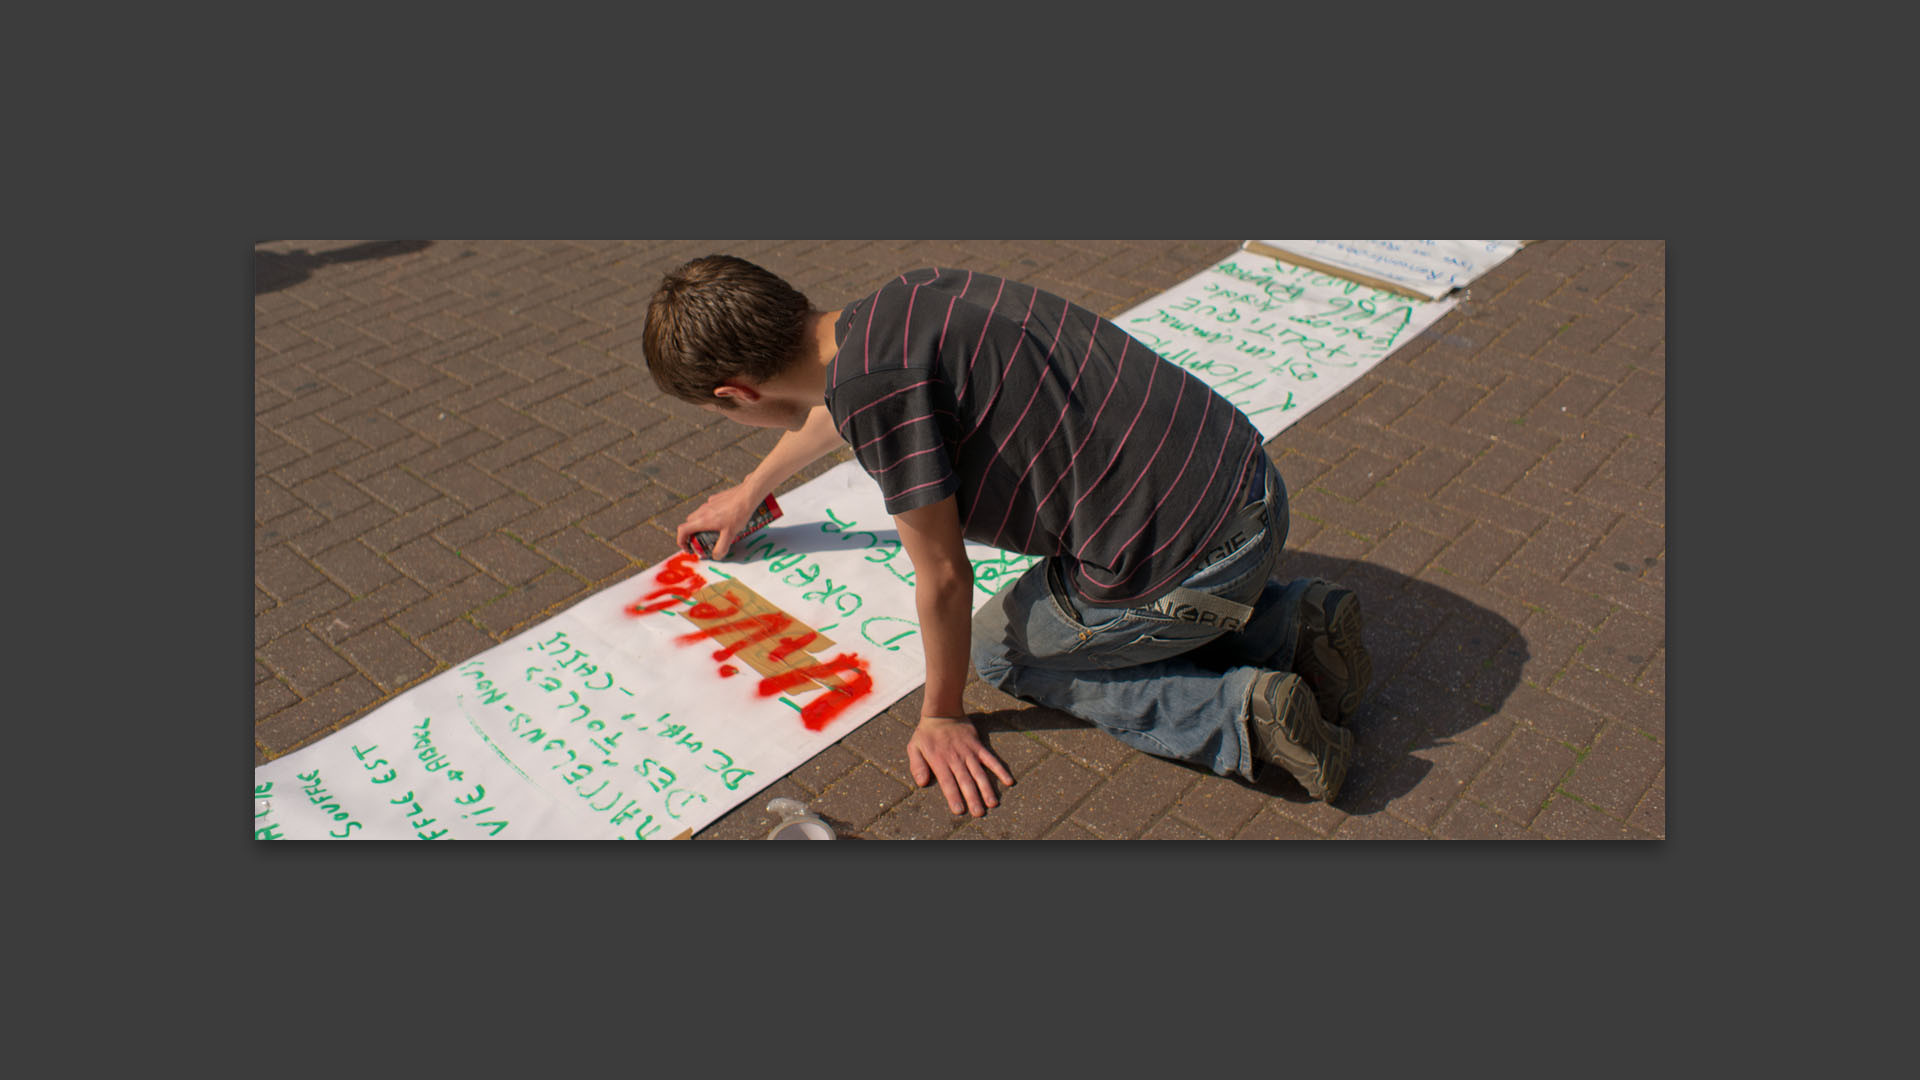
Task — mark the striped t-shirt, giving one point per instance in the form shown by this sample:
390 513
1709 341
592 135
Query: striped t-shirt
1058 432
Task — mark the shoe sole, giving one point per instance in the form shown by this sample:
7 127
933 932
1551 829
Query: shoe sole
1335 743
1336 663
1343 631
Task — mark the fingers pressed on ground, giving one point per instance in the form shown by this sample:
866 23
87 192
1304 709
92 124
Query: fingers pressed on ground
980 781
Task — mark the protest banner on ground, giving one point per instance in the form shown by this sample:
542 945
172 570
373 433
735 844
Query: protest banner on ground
1274 338
647 710
655 706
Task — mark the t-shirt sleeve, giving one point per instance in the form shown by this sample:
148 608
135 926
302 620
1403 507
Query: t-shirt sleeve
899 424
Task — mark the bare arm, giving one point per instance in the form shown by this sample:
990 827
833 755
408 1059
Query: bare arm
946 746
727 511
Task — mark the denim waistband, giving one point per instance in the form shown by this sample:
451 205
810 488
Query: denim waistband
1240 528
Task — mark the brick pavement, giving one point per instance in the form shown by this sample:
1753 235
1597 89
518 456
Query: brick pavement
455 440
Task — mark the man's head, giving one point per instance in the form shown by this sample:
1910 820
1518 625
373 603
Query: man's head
722 320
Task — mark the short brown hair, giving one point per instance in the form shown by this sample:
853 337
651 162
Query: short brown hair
721 317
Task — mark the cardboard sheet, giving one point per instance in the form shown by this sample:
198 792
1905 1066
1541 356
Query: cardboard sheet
1426 268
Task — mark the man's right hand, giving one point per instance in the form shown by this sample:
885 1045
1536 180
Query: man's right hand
726 511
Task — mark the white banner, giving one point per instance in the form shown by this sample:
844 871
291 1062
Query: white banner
647 710
1277 339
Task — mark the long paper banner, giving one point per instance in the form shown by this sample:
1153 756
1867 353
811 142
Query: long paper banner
655 706
647 710
1277 339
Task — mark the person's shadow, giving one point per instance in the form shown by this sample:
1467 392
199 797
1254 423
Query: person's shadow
273 270
1441 666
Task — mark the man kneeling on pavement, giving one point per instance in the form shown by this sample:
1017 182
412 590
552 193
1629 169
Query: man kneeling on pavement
993 411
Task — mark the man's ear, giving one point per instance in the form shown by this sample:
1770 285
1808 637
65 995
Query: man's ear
737 392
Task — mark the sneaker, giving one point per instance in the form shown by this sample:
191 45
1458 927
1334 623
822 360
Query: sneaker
1330 655
1288 732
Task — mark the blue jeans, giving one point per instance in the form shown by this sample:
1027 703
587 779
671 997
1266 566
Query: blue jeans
1167 679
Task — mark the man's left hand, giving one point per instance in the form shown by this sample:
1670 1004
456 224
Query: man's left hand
949 749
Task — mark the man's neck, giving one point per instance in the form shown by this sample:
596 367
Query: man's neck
824 345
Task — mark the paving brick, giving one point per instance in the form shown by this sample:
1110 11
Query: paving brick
1042 798
1083 743
1561 503
457 450
295 611
1498 468
520 606
330 495
293 727
1623 645
1617 770
824 768
1270 824
305 662
588 558
270 696
1571 462
1171 828
1364 522
455 642
1638 394
462 531
922 815
1613 698
1378 827
404 450
1650 814
1427 782
398 489
1626 588
1133 796
448 603
337 454
1408 549
555 516
361 612
1066 830
1654 679
1490 508
1017 750
428 562
1480 551
646 543
311 542
283 573
1428 471
1567 818
859 798
467 484
1469 820
1555 717
389 659
355 567
505 560
1522 775
1217 806
412 525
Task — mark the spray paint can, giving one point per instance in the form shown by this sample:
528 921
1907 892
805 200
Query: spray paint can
796 823
762 516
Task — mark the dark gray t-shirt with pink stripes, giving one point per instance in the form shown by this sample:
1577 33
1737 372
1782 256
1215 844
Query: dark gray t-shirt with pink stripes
1057 431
